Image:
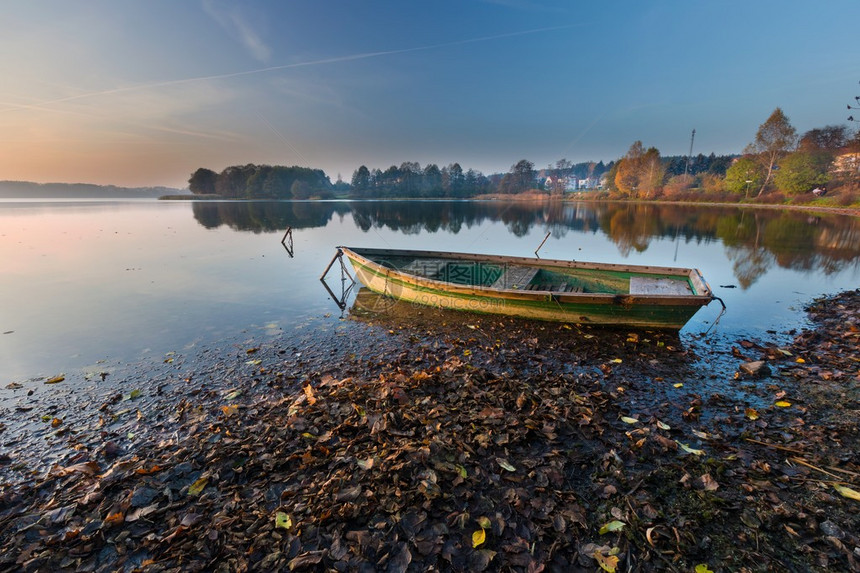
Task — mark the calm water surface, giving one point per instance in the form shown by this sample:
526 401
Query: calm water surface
84 282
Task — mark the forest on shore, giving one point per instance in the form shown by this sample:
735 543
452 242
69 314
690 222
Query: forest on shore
779 166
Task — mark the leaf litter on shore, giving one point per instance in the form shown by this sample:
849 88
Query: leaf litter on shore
502 458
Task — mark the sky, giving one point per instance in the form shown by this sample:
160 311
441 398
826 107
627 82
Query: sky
142 93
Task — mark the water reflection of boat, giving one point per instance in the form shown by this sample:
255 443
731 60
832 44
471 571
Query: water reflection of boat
565 291
370 305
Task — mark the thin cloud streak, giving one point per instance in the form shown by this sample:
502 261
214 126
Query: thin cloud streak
236 25
322 61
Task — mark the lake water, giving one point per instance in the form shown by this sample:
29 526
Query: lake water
84 282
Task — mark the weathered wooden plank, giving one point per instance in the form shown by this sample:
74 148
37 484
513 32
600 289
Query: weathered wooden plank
428 268
649 285
515 277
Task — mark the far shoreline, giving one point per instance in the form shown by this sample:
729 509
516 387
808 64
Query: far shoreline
541 198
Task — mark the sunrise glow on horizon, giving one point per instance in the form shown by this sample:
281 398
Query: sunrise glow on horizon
142 94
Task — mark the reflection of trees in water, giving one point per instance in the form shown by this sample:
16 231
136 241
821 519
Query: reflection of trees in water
411 217
749 263
792 241
266 216
631 227
842 242
738 229
755 239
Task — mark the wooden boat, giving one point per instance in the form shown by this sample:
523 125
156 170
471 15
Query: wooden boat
564 291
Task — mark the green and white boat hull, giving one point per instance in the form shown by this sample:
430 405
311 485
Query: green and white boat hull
552 290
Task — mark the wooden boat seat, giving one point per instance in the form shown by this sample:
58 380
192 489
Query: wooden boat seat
648 285
515 278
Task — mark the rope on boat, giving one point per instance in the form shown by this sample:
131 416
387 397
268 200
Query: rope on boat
555 299
719 316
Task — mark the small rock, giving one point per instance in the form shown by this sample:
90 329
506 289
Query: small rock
750 519
111 449
348 494
830 529
143 496
183 468
270 560
61 514
755 369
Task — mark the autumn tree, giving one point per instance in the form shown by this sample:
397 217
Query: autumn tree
650 173
611 175
746 173
627 172
774 139
828 138
802 171
640 172
712 183
678 185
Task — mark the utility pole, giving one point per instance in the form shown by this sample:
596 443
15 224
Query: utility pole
689 155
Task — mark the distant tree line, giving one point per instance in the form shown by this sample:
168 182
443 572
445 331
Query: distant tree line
697 165
411 180
262 182
775 164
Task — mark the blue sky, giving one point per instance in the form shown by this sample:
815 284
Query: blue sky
143 93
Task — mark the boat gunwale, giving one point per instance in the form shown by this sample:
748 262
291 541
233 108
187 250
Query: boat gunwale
693 275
